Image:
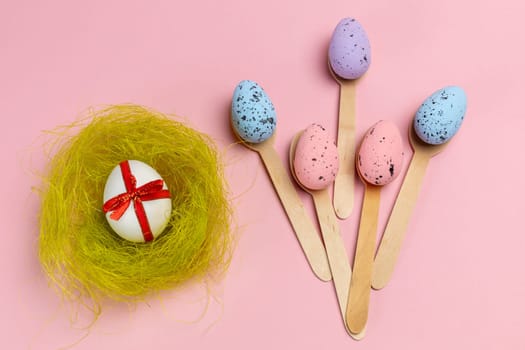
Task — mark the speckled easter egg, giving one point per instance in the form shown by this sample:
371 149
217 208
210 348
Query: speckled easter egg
316 160
349 52
441 115
253 115
380 155
137 202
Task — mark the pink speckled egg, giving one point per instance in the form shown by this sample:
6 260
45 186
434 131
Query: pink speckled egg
316 161
380 156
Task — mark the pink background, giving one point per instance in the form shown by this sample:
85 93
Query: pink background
458 282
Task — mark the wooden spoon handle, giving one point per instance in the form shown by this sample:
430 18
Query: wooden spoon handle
396 227
304 229
359 294
335 248
344 182
337 256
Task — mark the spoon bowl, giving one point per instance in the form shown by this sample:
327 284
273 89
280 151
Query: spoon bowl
341 81
291 157
422 147
257 147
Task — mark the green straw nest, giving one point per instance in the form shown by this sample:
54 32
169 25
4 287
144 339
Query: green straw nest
77 248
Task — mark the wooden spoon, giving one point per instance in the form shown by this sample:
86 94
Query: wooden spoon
379 160
304 229
390 245
337 256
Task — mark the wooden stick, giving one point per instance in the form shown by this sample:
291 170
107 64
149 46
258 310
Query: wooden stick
335 248
390 245
359 294
337 256
304 229
344 182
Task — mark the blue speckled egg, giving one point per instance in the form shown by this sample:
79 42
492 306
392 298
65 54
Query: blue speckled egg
441 115
253 115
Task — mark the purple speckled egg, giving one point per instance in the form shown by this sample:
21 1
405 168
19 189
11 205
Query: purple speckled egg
349 51
316 160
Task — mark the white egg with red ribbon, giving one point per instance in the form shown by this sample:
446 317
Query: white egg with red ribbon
137 202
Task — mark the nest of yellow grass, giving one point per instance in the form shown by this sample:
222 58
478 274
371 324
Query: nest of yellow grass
77 248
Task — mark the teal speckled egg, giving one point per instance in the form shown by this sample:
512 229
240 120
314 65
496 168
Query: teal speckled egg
253 115
441 115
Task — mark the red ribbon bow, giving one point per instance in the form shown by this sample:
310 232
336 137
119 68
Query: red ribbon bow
147 192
